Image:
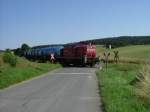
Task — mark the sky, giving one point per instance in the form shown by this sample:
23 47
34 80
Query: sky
40 22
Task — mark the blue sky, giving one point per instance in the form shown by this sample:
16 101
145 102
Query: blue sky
37 22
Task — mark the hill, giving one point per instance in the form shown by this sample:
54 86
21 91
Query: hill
121 41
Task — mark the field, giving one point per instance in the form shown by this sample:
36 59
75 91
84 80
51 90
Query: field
116 90
23 71
129 54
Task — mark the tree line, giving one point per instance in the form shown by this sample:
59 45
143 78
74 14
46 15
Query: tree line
121 41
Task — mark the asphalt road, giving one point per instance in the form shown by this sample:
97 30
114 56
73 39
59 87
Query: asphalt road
65 90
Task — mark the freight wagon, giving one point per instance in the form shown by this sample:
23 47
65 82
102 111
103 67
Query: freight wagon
43 53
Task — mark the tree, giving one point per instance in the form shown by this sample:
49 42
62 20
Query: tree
17 51
25 47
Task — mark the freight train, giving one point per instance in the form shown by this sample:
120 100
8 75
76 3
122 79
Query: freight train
77 54
43 53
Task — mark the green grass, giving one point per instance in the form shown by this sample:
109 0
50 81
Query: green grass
116 91
129 54
23 71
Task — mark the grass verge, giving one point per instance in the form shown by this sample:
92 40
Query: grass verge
116 91
23 71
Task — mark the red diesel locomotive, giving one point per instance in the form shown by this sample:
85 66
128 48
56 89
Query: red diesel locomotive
79 54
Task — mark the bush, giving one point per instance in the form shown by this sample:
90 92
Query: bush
10 58
13 61
142 85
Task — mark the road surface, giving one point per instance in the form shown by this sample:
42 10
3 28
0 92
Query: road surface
64 90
